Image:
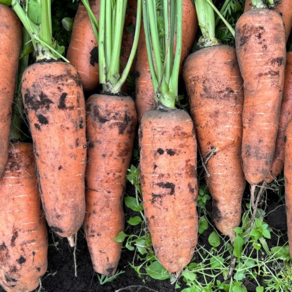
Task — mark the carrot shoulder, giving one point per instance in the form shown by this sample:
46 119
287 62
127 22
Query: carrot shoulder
261 53
55 107
10 46
23 232
83 47
285 117
285 10
111 124
168 172
214 86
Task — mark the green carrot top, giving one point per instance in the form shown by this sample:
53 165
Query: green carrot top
109 32
36 18
162 24
265 4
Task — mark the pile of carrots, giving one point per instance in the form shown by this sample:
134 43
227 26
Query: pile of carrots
240 116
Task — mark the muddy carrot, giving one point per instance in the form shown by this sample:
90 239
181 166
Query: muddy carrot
83 47
214 86
10 46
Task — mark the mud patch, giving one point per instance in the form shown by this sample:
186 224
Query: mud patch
33 103
93 56
62 103
167 185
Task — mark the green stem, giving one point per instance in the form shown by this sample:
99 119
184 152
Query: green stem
108 33
6 2
15 132
126 71
101 44
46 31
222 18
149 50
206 20
93 20
114 69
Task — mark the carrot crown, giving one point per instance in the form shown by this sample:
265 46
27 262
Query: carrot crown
265 3
38 23
205 11
162 21
109 37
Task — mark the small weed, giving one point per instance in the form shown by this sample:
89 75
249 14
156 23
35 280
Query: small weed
104 279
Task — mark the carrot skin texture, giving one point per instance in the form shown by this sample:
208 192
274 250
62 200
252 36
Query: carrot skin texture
111 124
23 231
55 107
285 117
288 181
261 53
10 46
285 10
83 47
168 172
144 89
214 86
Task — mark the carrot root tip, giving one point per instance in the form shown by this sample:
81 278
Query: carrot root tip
71 241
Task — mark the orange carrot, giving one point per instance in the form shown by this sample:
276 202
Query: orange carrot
288 175
23 232
55 107
285 10
214 86
260 47
144 89
111 124
10 46
285 117
168 171
83 47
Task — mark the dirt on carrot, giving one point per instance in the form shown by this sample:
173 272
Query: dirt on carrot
214 86
83 47
55 107
285 117
261 53
23 231
168 172
10 46
111 124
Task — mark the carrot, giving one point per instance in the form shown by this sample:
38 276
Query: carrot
168 157
23 232
83 48
260 48
10 45
144 88
111 125
214 87
110 131
285 10
55 107
285 117
287 175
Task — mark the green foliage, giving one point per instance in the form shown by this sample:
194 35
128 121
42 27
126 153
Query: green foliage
104 279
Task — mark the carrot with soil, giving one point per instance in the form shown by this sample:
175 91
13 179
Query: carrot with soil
10 46
111 124
83 47
144 89
285 117
214 86
261 53
55 107
285 10
23 231
168 158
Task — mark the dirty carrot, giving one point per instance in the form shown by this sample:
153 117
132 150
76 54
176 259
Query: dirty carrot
285 117
168 158
285 10
55 108
83 48
261 53
214 86
10 46
144 89
23 231
111 125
